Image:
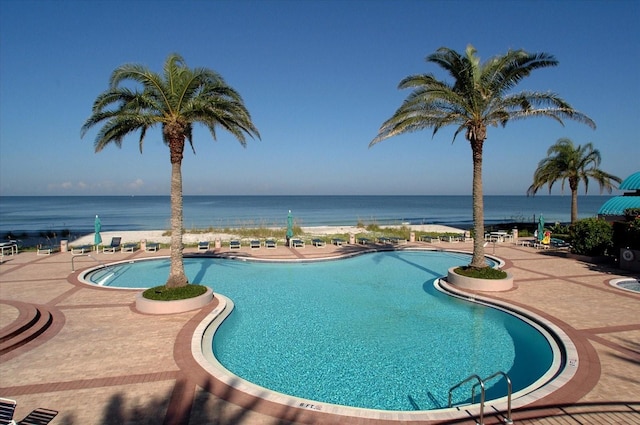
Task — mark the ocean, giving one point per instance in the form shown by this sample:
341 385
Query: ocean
75 214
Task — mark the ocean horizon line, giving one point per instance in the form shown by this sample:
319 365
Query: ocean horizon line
30 214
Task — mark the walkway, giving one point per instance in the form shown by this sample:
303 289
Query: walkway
88 354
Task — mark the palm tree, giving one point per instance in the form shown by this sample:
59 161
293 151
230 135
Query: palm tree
479 96
175 100
565 161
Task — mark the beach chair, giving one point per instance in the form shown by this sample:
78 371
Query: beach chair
203 246
39 416
319 243
234 244
254 244
270 243
297 243
44 249
129 247
7 409
430 239
81 249
152 247
337 241
398 241
113 246
363 241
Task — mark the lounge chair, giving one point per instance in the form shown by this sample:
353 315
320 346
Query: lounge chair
559 243
397 241
129 247
81 249
11 247
449 238
297 243
430 239
363 241
152 247
270 243
234 244
113 246
254 244
7 409
203 246
384 240
39 416
319 243
44 249
526 242
337 241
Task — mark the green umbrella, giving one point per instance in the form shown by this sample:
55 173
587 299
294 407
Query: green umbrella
289 227
541 228
97 226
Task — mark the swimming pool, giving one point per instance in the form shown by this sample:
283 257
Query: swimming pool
627 284
370 331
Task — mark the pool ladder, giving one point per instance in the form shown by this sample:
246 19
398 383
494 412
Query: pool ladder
481 382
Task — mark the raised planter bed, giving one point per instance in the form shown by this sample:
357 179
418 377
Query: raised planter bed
474 284
147 306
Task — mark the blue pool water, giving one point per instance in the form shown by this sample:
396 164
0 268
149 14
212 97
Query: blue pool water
369 331
632 285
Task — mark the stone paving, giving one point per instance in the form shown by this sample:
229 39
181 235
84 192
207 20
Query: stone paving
100 362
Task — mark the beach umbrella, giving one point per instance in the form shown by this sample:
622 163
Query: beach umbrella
541 228
289 227
97 226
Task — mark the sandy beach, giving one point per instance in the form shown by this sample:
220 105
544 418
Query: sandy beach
160 236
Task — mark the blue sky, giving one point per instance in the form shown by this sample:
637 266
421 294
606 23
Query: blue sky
319 78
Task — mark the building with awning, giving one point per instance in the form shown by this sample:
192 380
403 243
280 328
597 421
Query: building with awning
613 209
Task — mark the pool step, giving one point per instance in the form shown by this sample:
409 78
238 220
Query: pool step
32 321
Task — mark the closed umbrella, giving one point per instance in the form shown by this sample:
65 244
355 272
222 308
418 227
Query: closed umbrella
541 228
97 226
289 227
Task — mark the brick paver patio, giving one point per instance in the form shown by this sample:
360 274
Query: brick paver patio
88 354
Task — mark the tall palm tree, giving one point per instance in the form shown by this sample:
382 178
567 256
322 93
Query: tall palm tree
565 161
175 100
479 96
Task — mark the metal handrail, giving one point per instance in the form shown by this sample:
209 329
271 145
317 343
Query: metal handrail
481 382
73 269
508 419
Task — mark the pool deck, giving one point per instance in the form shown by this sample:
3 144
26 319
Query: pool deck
87 353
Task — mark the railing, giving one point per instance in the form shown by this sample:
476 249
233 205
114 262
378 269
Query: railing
73 257
481 383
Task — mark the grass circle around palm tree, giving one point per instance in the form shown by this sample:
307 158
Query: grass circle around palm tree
481 273
162 293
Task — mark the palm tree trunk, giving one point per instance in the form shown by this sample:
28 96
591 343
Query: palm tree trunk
177 277
477 260
574 205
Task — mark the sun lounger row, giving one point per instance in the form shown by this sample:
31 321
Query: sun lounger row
269 243
39 416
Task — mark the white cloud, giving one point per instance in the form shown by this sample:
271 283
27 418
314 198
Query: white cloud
137 184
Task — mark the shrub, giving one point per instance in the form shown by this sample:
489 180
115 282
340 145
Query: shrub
591 236
632 213
626 234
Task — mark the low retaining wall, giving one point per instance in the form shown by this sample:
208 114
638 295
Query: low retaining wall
145 305
485 285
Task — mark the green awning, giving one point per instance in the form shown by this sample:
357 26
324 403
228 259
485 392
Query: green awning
617 205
